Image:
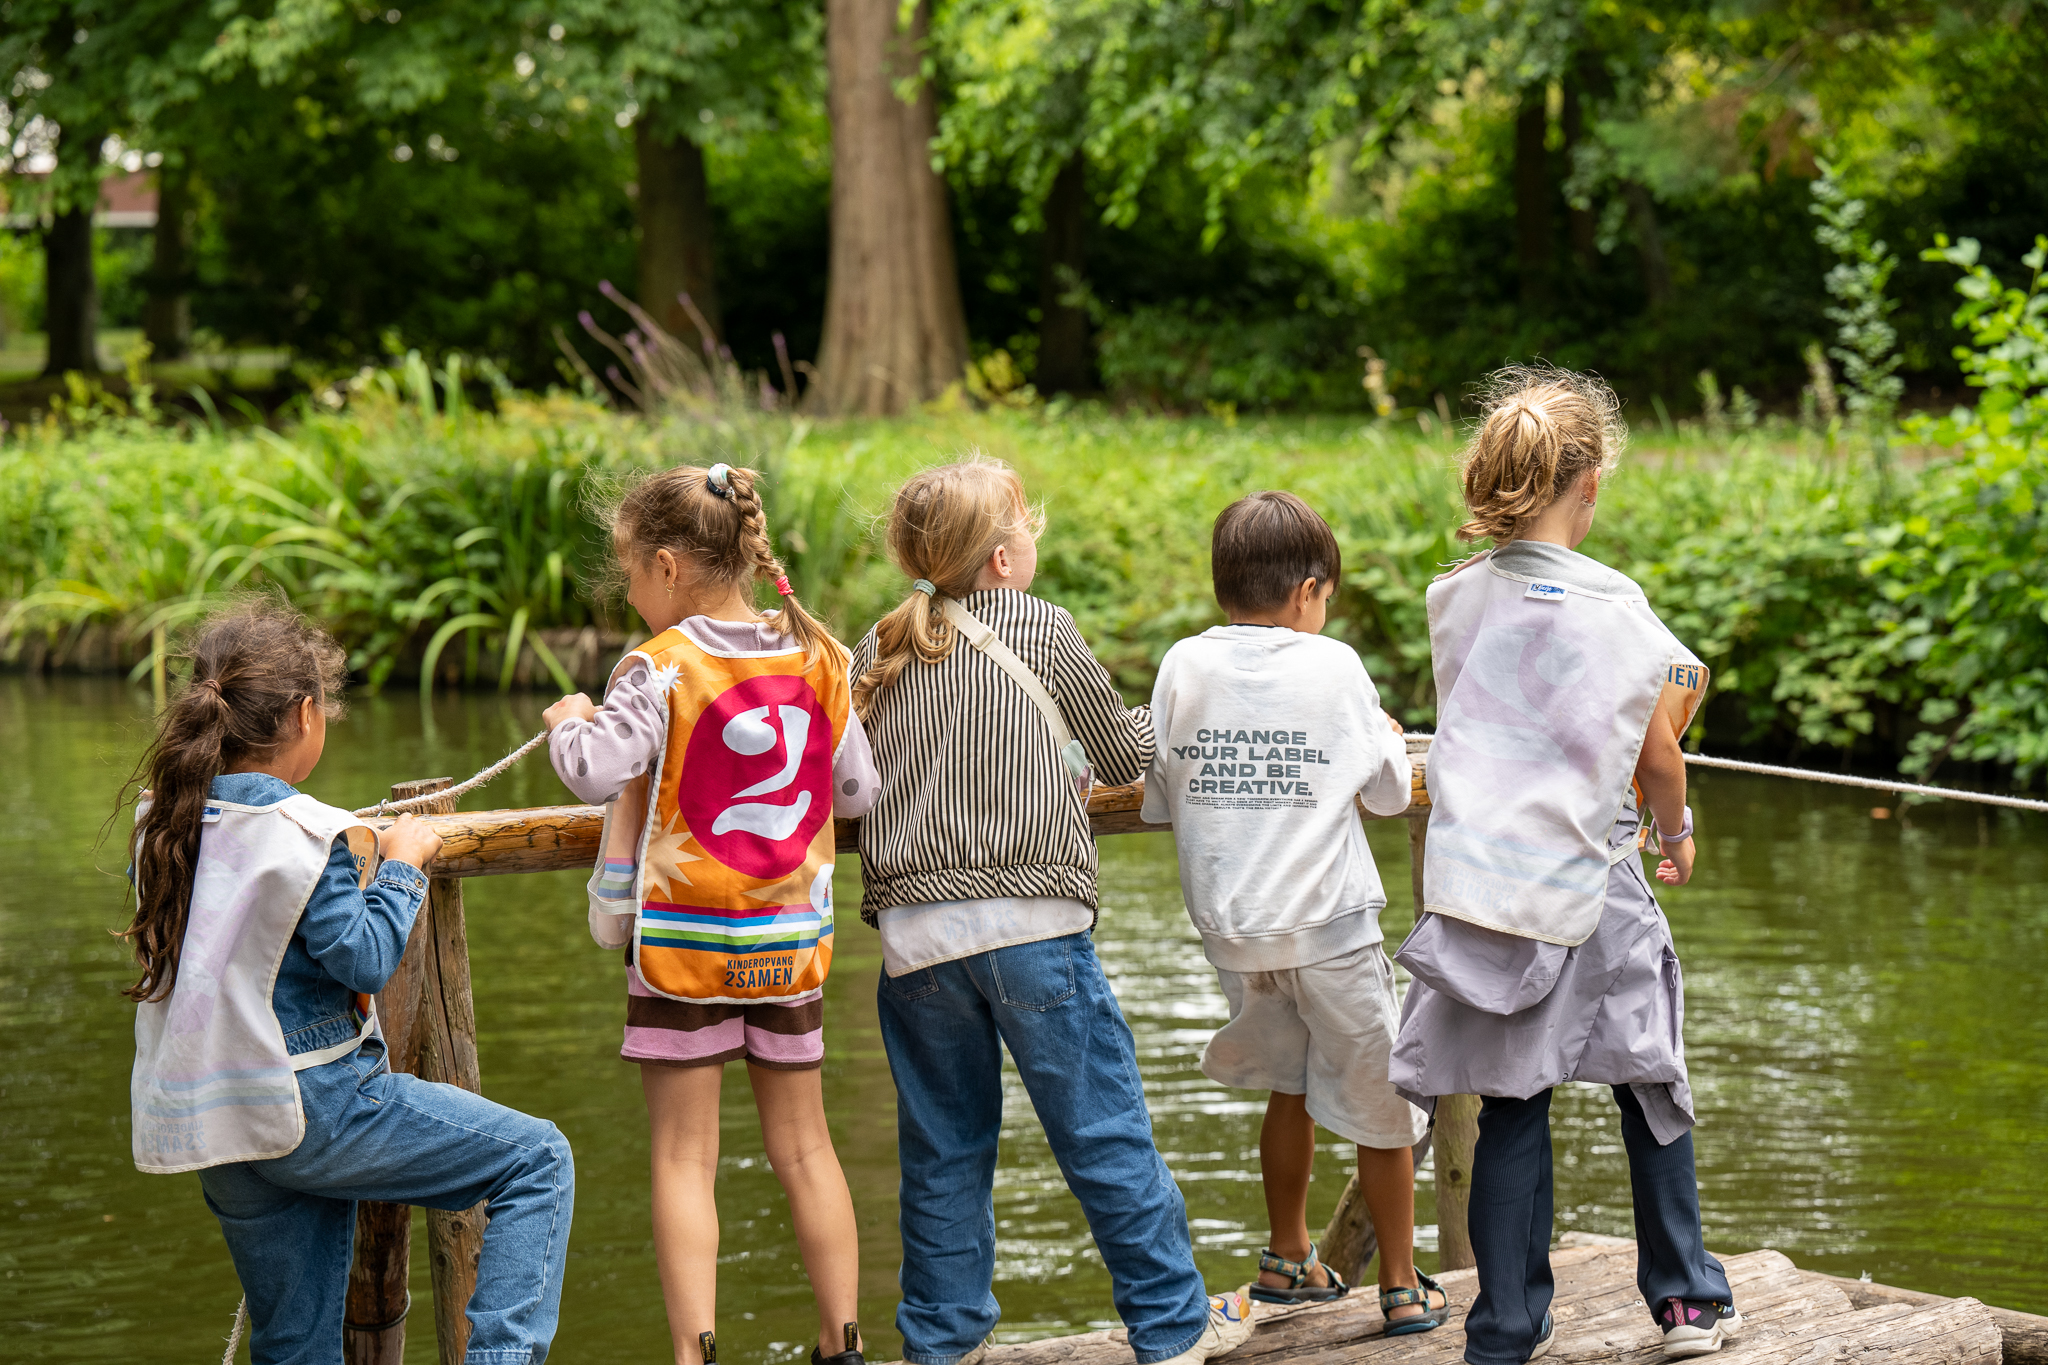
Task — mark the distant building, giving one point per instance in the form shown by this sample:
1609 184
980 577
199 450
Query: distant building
127 200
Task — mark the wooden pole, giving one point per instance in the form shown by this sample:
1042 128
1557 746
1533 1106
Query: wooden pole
447 1053
1456 1129
373 1325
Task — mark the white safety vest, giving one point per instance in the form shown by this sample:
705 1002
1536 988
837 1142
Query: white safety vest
212 1082
1545 692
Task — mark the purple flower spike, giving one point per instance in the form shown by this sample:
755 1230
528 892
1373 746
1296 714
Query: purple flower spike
605 287
589 322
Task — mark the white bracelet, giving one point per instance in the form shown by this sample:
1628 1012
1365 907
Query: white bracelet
1684 832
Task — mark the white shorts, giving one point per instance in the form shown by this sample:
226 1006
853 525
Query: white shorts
1324 1032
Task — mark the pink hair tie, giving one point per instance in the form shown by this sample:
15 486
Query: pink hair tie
782 586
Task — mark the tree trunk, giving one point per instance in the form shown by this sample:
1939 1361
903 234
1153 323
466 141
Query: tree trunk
71 296
1062 326
1642 216
167 314
1532 196
675 231
1582 225
895 329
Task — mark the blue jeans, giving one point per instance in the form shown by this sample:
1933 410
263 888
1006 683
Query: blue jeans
290 1222
945 1029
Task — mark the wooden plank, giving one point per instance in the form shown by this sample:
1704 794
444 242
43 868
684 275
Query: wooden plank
2024 1336
555 838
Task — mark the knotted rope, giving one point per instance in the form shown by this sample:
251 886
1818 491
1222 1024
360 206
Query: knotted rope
429 798
1868 783
235 1332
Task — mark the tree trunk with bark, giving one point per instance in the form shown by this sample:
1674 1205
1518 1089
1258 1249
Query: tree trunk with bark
1642 216
167 314
674 208
1582 225
1063 360
71 295
1532 196
895 328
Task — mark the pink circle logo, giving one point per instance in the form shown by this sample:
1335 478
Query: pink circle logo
756 783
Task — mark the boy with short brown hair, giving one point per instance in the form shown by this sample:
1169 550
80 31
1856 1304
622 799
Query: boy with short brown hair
1267 732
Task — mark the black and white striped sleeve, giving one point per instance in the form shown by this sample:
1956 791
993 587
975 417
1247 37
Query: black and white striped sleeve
1118 740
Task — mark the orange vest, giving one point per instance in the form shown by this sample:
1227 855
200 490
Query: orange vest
733 885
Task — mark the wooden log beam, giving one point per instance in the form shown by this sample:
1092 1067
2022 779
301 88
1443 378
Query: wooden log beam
2023 1336
491 843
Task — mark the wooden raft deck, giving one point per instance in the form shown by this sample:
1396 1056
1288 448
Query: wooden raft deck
1791 1316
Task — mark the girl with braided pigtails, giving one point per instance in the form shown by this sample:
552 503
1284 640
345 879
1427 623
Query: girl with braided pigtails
725 745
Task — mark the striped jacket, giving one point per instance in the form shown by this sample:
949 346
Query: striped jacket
975 801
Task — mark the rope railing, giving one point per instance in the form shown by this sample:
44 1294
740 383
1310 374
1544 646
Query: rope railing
1867 783
429 798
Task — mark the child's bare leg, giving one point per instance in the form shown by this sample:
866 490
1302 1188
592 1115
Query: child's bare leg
682 1110
792 1105
1386 1177
1287 1156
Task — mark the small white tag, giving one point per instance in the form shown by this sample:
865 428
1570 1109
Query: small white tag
1545 592
211 816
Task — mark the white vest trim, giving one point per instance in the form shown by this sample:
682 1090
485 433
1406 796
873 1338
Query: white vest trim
213 1082
1546 692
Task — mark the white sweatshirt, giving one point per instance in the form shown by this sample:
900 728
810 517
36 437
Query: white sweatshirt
1265 736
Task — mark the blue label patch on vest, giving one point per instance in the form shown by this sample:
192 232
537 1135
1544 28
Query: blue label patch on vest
1546 592
211 816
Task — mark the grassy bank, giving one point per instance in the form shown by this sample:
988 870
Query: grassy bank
1890 609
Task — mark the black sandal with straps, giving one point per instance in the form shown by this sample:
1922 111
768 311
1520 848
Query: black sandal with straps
1299 1290
1429 1319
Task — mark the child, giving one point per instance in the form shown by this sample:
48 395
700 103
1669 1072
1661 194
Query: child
258 1062
723 749
986 709
1543 957
1267 732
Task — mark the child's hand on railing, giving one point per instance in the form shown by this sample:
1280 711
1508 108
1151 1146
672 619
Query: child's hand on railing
575 707
409 840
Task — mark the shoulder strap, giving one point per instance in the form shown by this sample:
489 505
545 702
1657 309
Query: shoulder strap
1002 656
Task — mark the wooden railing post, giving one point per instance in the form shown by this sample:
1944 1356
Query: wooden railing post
1456 1129
373 1325
447 1053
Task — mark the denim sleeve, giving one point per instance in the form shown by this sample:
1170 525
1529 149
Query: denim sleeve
357 934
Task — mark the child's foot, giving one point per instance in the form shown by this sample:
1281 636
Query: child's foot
1229 1327
849 1354
1694 1327
1546 1341
1305 1281
1420 1309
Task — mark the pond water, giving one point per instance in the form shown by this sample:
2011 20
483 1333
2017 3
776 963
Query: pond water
1867 1026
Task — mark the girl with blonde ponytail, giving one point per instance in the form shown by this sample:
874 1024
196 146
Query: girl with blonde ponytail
984 704
725 745
1541 955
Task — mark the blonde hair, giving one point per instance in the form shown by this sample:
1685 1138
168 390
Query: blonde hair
944 525
1540 430
725 537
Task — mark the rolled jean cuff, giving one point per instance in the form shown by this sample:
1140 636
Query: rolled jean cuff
498 1357
1154 1357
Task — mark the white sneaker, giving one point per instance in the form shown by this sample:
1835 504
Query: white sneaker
1693 1327
1229 1327
1546 1341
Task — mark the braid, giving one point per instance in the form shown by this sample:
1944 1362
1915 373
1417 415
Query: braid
755 558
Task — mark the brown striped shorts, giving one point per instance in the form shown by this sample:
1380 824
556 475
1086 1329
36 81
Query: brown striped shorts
665 1032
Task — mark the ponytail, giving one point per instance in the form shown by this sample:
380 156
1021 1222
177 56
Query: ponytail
1540 430
945 524
251 668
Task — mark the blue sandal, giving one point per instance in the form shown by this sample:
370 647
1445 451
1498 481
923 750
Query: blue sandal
1428 1320
1299 1290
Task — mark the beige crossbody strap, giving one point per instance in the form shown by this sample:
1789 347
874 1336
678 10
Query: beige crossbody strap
989 643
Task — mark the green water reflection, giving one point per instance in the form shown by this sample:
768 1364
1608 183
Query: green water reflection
1868 1025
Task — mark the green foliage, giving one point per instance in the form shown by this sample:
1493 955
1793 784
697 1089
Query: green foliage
1967 571
1865 341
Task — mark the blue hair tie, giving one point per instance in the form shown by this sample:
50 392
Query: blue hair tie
719 480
